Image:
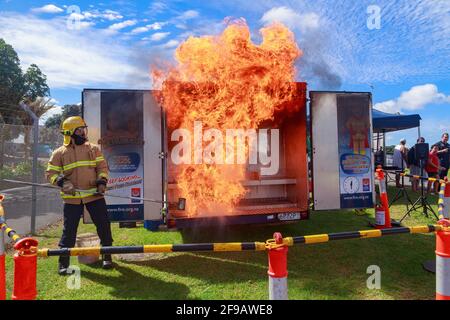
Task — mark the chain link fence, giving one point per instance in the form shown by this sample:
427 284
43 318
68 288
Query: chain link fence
16 163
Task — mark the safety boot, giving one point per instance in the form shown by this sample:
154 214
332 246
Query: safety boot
63 265
107 262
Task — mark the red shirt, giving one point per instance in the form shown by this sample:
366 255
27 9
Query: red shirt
432 158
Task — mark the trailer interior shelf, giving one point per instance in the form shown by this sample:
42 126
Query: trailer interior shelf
239 212
257 183
264 203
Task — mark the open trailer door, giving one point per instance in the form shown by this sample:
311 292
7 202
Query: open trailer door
272 196
127 126
342 161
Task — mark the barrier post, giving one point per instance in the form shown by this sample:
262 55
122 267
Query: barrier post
446 202
25 269
2 253
386 222
278 269
443 261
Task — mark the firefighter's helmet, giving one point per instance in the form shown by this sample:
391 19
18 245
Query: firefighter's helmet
69 126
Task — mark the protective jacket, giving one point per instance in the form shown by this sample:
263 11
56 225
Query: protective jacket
83 165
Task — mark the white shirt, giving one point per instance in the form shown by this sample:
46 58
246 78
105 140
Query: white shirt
398 160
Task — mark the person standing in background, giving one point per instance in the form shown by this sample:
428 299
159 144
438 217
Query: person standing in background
443 154
399 160
415 164
379 157
433 169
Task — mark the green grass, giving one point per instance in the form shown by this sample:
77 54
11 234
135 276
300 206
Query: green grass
335 270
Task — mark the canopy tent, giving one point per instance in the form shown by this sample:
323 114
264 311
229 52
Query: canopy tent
383 122
387 122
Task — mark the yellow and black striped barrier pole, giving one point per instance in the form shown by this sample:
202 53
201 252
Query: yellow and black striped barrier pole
362 234
11 233
441 201
277 249
403 174
236 246
155 248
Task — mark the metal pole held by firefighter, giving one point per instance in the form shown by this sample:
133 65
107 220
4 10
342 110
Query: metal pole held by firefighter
181 203
277 251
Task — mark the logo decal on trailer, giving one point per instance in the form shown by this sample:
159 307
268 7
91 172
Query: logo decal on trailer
366 184
135 192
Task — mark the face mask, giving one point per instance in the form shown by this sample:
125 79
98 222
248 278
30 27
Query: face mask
78 139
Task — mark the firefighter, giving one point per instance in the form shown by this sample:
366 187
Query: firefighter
80 170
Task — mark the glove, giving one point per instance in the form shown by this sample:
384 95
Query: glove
68 187
60 180
101 185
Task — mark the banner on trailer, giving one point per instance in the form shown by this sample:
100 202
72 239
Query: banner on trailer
354 147
122 145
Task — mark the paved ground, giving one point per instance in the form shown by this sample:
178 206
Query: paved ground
17 205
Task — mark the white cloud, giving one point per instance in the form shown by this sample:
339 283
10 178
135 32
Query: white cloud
309 21
389 106
49 8
77 19
170 44
154 26
317 65
72 58
55 110
76 16
415 98
292 19
158 7
111 15
158 36
96 14
139 30
419 96
187 15
121 25
85 24
418 30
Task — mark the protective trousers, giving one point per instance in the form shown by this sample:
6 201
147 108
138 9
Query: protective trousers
99 215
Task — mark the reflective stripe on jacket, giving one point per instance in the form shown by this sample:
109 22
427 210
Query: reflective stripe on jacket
83 166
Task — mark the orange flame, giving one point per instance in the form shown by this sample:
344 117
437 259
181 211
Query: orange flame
226 82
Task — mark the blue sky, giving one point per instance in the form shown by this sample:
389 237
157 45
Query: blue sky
404 61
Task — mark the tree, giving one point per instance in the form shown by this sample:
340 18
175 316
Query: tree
11 91
16 87
35 84
69 110
12 83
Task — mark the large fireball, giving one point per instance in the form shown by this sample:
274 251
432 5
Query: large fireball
226 82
